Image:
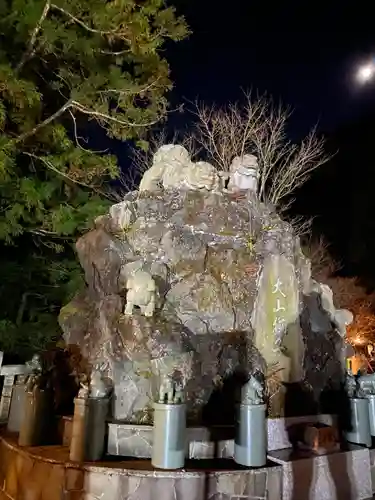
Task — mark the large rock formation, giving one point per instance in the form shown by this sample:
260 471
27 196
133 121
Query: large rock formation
217 288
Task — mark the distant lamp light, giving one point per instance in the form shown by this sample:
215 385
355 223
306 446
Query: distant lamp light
358 340
366 72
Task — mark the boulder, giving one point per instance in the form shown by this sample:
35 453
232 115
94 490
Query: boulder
234 296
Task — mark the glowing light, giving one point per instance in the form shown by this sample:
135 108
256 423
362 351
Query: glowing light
359 340
366 72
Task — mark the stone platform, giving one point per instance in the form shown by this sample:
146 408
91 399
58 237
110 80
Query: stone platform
129 440
45 473
338 475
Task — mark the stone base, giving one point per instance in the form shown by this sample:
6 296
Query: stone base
45 473
337 475
129 440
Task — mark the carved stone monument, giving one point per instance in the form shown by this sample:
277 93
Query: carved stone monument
187 280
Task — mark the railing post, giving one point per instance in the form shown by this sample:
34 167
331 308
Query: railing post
9 372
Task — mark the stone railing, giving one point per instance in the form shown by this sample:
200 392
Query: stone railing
13 374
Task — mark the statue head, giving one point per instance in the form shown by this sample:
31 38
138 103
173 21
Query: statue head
170 153
35 364
246 165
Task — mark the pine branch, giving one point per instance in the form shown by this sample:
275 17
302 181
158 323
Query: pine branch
109 118
31 46
56 170
84 25
47 8
67 177
87 111
130 92
42 124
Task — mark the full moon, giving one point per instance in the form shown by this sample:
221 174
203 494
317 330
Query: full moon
366 73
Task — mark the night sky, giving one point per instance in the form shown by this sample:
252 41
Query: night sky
306 57
304 53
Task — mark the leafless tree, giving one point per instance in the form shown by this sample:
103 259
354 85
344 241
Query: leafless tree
259 127
301 225
323 266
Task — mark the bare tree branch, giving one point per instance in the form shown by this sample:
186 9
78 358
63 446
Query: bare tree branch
42 124
84 25
301 225
83 109
77 138
31 46
51 167
259 127
109 118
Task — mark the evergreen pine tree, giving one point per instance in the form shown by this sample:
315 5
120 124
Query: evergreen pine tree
62 64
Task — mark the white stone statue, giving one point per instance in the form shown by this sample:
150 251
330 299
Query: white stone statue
244 174
351 384
170 392
252 392
172 168
34 369
122 215
83 392
367 384
34 365
167 156
32 382
142 292
98 388
195 176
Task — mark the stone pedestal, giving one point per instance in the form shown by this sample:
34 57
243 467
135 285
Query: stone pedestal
337 475
32 429
371 409
130 440
66 430
250 446
46 474
360 422
96 428
77 443
88 429
17 407
169 436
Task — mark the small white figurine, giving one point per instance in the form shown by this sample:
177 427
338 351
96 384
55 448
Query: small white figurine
194 176
252 392
98 388
83 392
244 174
170 392
351 384
142 292
35 364
34 368
366 384
32 382
169 155
172 168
